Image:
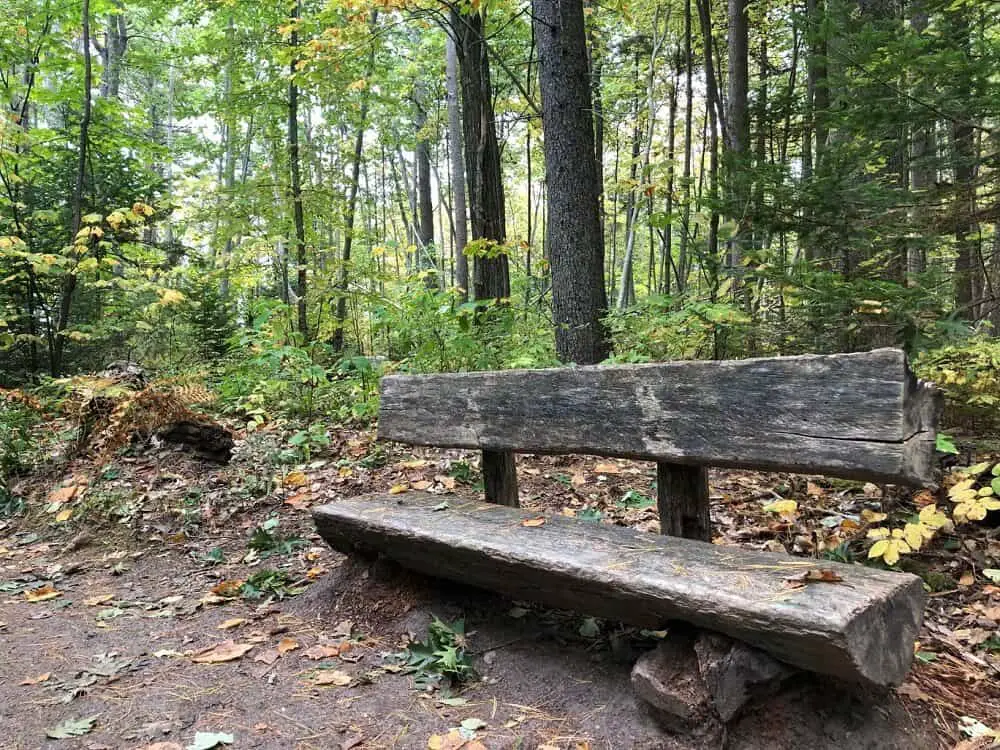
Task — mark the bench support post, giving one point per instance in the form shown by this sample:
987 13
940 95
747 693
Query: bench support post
682 499
500 478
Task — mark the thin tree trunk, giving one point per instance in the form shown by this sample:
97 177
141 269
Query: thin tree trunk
298 217
457 171
76 202
682 258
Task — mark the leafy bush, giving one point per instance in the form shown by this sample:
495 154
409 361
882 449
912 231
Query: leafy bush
969 374
442 656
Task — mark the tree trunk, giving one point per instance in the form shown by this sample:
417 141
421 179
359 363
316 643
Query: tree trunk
296 181
576 246
491 275
737 135
76 202
682 257
425 206
457 171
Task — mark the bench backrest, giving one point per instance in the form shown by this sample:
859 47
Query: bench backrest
859 416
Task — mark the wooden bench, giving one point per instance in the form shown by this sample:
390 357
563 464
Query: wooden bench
860 416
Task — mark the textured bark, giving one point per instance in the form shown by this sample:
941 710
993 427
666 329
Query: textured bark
575 241
861 629
425 206
490 275
298 218
457 171
737 135
68 287
682 500
500 478
860 416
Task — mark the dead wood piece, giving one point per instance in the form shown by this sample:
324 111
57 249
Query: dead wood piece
207 439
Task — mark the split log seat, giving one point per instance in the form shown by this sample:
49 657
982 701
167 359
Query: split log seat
855 415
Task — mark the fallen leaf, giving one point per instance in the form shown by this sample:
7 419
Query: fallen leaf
41 594
416 463
162 746
268 657
533 522
445 481
607 468
968 578
64 494
314 573
96 601
320 651
451 741
782 507
225 651
813 575
814 490
64 515
72 728
871 516
331 677
231 623
36 680
473 724
398 489
423 484
300 500
286 645
993 574
228 589
209 740
295 479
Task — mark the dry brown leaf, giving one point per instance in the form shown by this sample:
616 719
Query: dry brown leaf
287 644
35 680
451 741
95 601
445 481
314 573
225 651
321 651
300 500
162 746
331 677
42 594
423 484
268 657
533 522
607 468
231 623
814 490
64 494
968 578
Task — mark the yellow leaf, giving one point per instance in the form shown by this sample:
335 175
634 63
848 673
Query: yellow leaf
931 516
398 489
42 594
295 479
231 623
878 549
64 515
782 507
914 534
170 297
871 516
415 463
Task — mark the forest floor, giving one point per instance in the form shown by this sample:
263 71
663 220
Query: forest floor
124 621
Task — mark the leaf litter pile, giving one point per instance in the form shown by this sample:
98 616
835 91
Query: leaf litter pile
161 602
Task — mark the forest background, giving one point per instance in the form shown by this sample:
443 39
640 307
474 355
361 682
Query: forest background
283 201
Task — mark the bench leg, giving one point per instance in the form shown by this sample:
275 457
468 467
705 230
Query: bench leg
500 478
682 499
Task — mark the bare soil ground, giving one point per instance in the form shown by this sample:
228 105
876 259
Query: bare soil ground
118 612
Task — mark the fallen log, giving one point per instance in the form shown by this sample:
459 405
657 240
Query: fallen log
860 628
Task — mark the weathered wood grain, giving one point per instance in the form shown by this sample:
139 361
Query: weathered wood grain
862 629
861 416
500 478
682 501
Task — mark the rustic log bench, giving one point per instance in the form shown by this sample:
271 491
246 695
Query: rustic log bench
860 416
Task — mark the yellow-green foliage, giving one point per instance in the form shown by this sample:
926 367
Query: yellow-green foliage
969 374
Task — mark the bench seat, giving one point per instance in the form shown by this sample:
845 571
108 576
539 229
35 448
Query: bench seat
860 629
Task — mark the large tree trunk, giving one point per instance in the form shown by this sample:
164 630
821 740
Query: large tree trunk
576 245
457 171
491 275
76 202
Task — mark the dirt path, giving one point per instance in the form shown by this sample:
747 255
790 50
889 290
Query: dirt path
125 628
